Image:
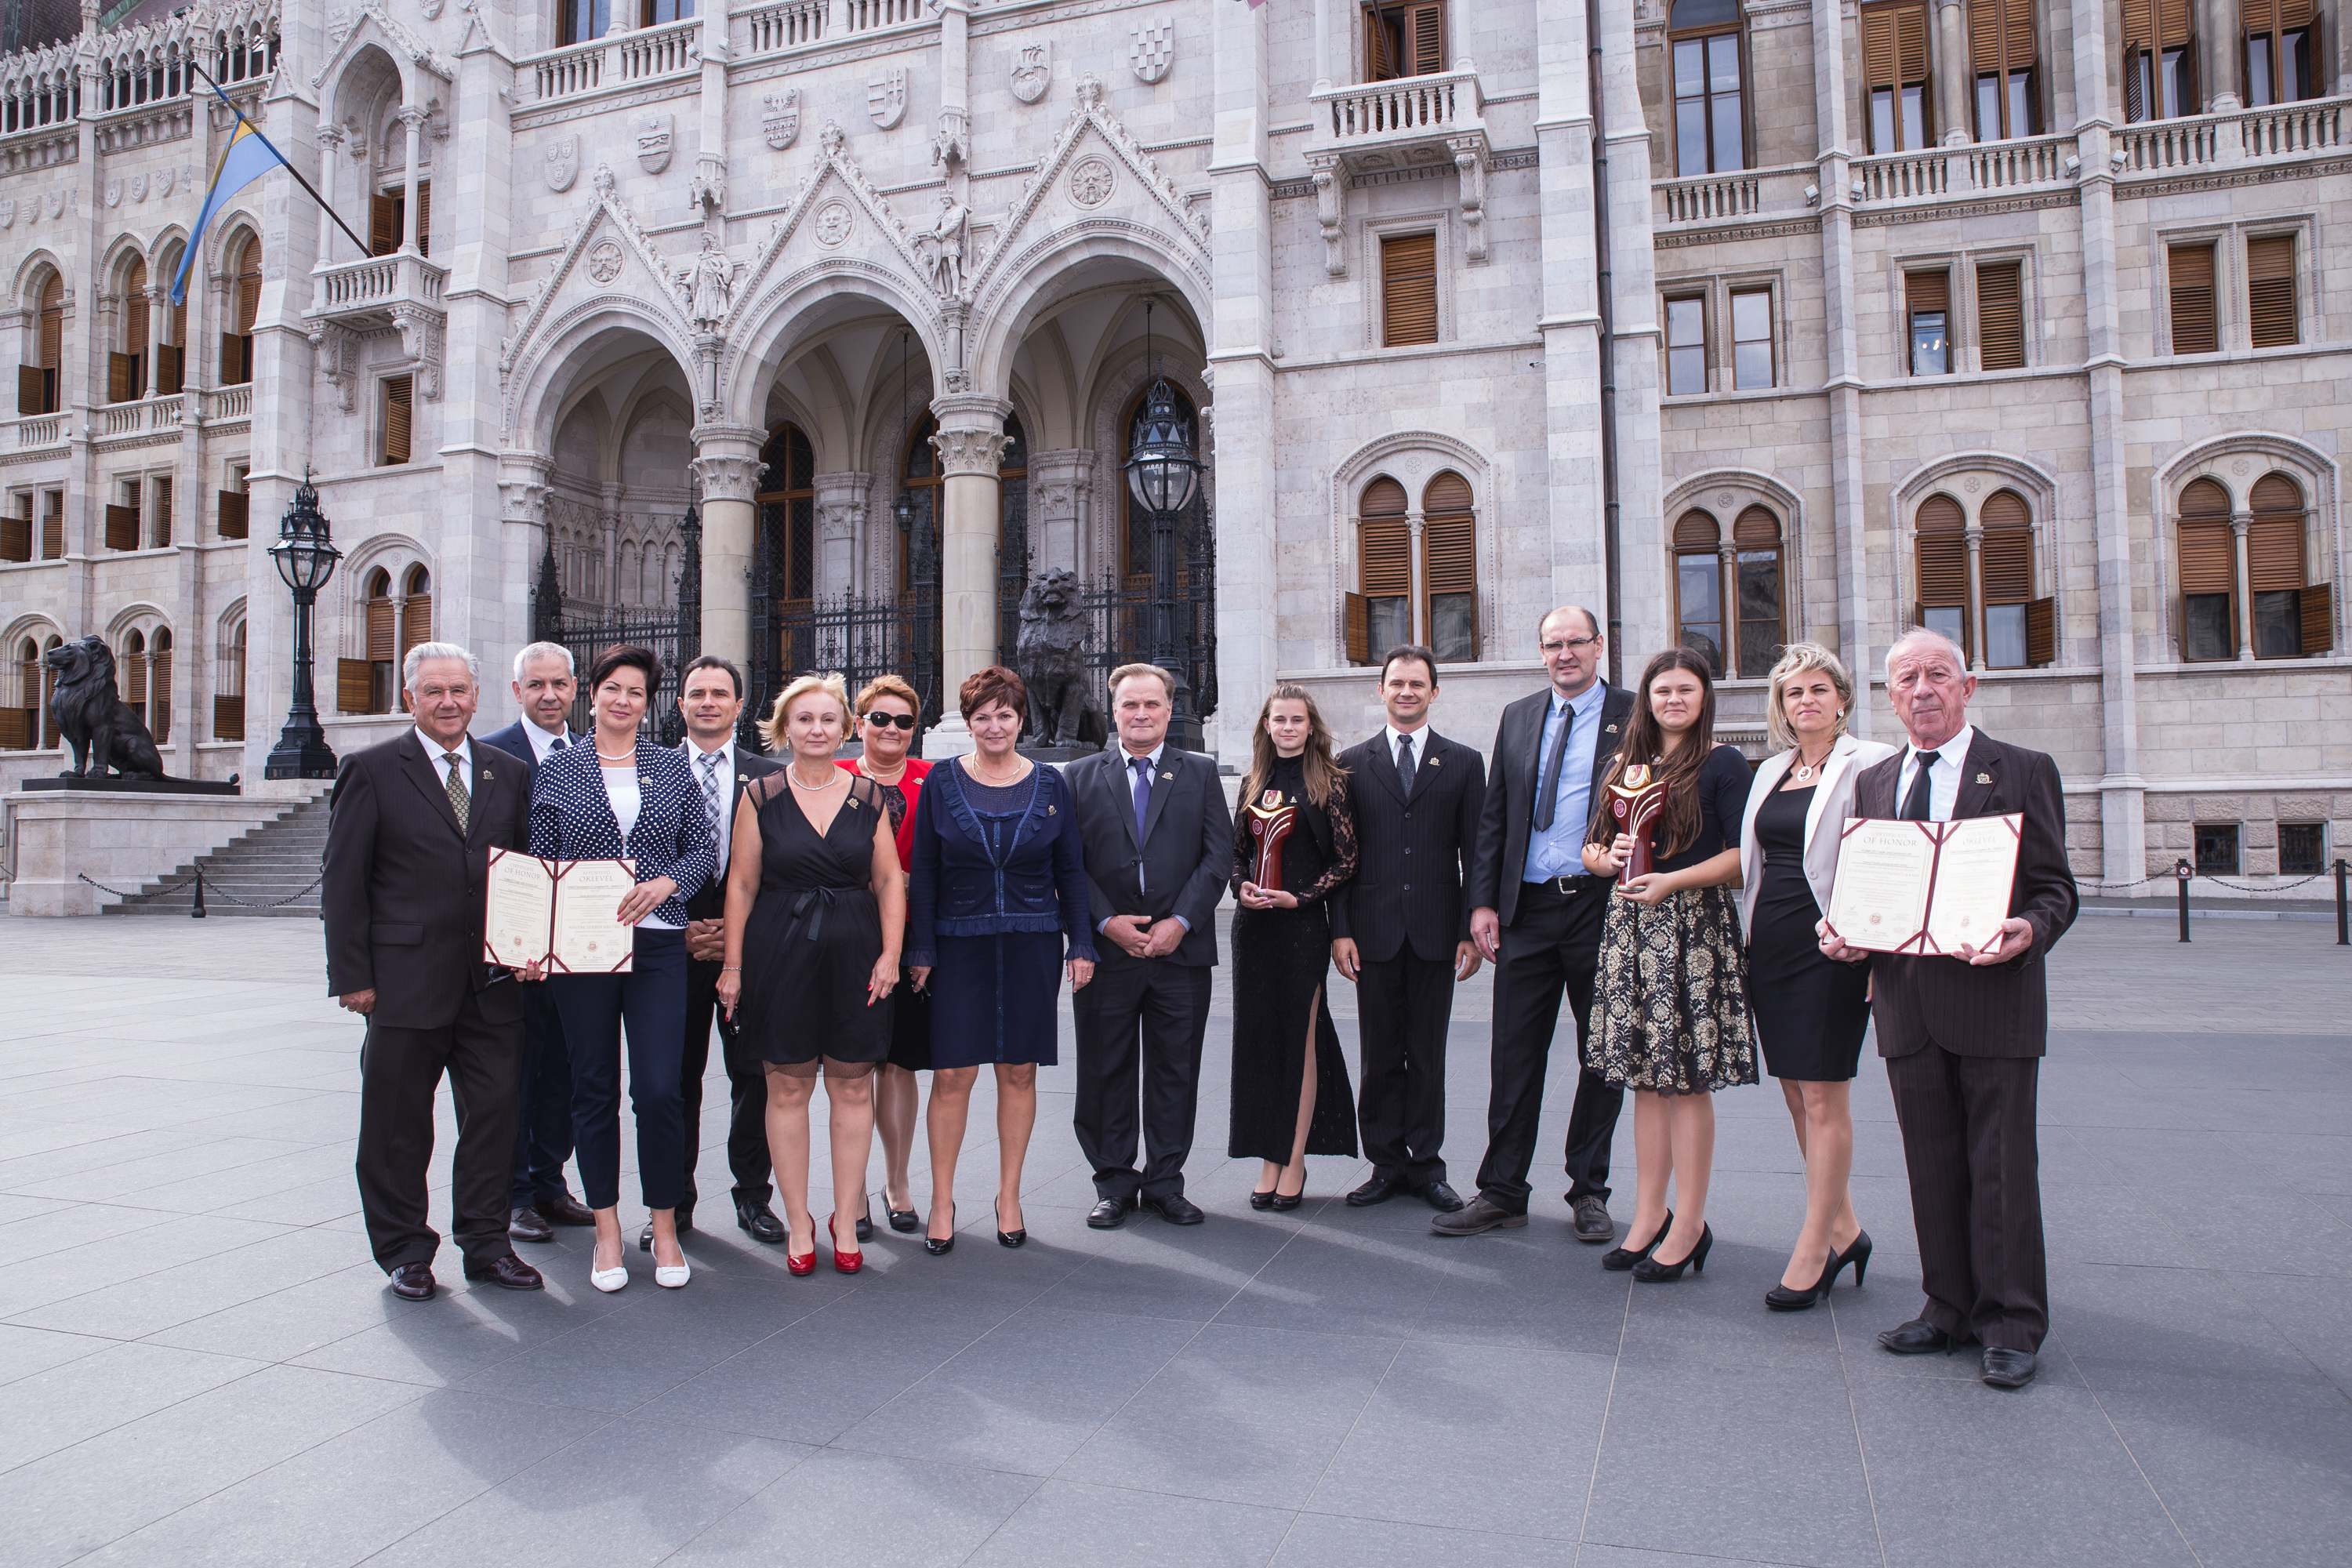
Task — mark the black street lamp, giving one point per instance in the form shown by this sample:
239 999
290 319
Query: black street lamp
306 558
1162 472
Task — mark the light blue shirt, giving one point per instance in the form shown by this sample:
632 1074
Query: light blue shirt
1559 850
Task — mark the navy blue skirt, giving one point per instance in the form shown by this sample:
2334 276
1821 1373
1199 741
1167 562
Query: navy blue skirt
993 999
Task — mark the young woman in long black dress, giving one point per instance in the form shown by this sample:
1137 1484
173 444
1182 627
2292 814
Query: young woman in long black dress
1290 1100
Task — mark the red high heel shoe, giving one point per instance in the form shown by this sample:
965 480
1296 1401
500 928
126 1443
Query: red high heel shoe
843 1263
801 1265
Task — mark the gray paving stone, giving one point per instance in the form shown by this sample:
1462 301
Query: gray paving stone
1066 1525
837 1507
1330 1540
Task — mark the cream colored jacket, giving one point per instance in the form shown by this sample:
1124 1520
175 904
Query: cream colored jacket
1824 820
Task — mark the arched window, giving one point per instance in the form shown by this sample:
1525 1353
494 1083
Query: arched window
243 306
1449 568
133 674
1384 573
159 686
50 735
1978 589
38 387
1698 585
788 513
20 719
228 685
2286 626
366 684
1729 602
2209 573
126 368
1757 591
1710 102
415 613
1942 550
1135 546
171 376
919 544
2005 568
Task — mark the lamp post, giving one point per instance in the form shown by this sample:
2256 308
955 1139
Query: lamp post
1162 473
306 558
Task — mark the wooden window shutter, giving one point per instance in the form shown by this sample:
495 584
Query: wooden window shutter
234 509
2319 617
32 389
1894 45
15 538
1943 548
425 218
1409 289
2208 551
1385 562
2001 316
2005 553
1756 529
2040 632
171 370
2270 290
1697 530
381 647
248 287
384 225
2001 35
354 685
53 526
1927 291
1359 630
159 681
1424 28
1378 65
134 679
159 509
228 718
415 621
2194 328
2275 535
122 378
123 528
53 324
1448 550
395 419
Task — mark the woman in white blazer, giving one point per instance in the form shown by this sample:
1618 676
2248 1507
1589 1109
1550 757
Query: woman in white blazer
1810 1012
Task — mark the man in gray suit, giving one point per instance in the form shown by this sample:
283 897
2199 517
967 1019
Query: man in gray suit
1159 851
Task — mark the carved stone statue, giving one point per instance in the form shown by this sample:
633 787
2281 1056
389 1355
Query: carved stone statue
102 729
707 285
1051 657
941 245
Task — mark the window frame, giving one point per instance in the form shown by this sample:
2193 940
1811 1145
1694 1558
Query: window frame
1374 15
1736 291
2156 32
2273 22
2005 24
1701 35
1899 86
1941 267
1704 345
1380 240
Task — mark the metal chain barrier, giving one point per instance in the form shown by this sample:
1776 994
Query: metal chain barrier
2110 889
214 890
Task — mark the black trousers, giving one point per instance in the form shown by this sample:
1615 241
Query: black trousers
1552 945
1404 1006
400 1071
543 1123
1975 1192
1139 1021
747 1092
650 1001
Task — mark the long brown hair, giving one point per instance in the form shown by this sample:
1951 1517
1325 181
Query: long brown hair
1646 742
1318 763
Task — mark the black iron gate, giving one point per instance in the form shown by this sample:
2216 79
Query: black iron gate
673 632
1120 615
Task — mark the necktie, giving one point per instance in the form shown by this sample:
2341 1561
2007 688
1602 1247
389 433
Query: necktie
711 760
1548 792
1404 765
1915 805
1142 767
558 743
459 801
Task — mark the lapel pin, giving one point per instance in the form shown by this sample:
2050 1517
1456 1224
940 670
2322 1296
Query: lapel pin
1612 729
1049 811
1168 778
1984 778
1434 761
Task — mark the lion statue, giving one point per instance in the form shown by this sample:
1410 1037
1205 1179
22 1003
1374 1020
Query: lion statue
1053 662
103 729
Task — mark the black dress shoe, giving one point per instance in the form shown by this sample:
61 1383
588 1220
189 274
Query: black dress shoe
1917 1336
1108 1214
1590 1219
2009 1369
507 1272
1479 1214
564 1209
530 1225
413 1282
1439 1196
1379 1190
759 1222
1178 1209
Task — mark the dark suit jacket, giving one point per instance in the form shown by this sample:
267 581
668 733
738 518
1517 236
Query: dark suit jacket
514 744
1998 1010
403 895
711 903
1413 857
1496 870
1186 855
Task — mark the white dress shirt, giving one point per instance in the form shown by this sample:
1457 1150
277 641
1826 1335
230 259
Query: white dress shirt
437 754
1420 739
1126 761
1943 778
725 772
542 741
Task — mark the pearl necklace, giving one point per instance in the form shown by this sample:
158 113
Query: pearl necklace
838 777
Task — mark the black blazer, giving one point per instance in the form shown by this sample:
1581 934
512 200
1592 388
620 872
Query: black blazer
403 888
710 903
515 744
1508 813
1413 857
2002 1009
1186 855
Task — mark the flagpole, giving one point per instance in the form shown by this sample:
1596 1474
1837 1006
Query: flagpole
283 161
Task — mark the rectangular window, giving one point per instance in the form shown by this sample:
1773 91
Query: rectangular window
53 525
1895 75
2269 291
1408 290
1404 40
236 506
2001 316
396 421
2000 53
2278 51
1710 132
1927 298
584 20
656 11
17 528
2159 61
1751 338
2302 849
122 521
2217 849
2195 330
1685 346
159 512
1449 573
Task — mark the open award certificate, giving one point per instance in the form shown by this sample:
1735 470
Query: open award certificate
563 915
1928 888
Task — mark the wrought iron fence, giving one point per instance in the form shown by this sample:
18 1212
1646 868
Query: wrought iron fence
673 632
1121 614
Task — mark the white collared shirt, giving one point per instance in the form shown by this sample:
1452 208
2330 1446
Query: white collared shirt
1943 778
694 753
542 742
1126 761
437 754
1420 739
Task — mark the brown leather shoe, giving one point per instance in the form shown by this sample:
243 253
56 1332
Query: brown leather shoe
1592 1221
1479 1214
564 1209
509 1272
413 1282
529 1225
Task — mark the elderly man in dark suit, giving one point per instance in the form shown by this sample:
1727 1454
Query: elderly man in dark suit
1964 1036
1537 918
408 843
1401 930
1159 852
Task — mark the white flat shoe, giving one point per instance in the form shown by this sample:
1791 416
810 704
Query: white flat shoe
608 1279
671 1279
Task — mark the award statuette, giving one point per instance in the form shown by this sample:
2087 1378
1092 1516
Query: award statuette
1635 801
1270 822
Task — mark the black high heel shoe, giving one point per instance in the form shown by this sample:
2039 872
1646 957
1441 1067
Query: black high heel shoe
1284 1205
1780 1299
1858 1254
901 1220
1618 1259
1011 1237
1650 1272
1262 1201
936 1245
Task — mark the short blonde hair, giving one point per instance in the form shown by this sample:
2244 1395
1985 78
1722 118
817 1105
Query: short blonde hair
888 686
772 728
1130 671
1795 660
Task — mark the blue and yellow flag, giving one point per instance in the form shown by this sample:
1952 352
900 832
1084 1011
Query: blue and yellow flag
247 157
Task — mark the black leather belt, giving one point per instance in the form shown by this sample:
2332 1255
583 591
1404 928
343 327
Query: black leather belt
1568 887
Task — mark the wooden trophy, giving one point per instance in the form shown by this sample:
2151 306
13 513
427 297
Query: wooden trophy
1270 822
1636 802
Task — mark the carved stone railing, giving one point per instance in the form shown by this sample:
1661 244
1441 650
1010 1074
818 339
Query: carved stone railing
1901 177
1371 127
2161 146
149 413
616 60
2028 161
2285 129
368 289
1729 198
40 430
1412 108
870 15
224 402
769 29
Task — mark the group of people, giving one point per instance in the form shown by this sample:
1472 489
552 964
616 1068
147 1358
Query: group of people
871 920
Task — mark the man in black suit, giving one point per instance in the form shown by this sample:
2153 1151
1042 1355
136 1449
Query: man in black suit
1400 931
710 695
1538 918
1964 1036
408 843
1159 850
543 686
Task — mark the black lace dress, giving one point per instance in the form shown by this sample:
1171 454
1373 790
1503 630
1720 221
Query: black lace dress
1280 959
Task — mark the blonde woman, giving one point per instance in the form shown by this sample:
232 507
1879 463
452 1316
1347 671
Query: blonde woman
815 898
1810 1012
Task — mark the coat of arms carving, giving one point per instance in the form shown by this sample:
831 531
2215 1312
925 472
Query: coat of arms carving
7 214
563 163
1033 70
886 96
780 120
114 193
653 135
1153 52
138 187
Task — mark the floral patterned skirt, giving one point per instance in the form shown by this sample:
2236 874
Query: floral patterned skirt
1673 998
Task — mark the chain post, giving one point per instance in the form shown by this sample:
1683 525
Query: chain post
196 907
2181 871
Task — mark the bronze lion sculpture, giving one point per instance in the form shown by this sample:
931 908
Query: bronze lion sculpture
103 729
1051 653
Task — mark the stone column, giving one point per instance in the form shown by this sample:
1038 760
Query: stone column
1974 535
1058 482
1951 83
970 441
412 120
727 462
331 142
2218 42
2239 521
840 526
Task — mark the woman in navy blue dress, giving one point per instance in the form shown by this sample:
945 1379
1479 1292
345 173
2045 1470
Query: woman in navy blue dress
998 910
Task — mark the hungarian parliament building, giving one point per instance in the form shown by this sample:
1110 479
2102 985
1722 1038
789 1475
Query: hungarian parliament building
841 334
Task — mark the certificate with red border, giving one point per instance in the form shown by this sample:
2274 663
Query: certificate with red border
1924 888
562 915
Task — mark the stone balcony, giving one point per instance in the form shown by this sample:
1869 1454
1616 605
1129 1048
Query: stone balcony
620 58
402 290
1371 130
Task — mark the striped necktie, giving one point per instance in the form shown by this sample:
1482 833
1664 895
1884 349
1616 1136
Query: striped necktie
459 801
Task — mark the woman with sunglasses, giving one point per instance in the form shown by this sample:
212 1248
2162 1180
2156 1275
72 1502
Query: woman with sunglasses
887 711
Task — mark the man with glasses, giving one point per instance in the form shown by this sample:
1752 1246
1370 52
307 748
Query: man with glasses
1537 917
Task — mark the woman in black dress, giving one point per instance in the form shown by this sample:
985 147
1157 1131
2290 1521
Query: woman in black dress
1811 1011
1290 1100
815 903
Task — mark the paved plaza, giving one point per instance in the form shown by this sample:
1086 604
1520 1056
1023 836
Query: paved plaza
201 1365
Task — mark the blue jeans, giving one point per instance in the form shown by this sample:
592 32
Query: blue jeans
651 1003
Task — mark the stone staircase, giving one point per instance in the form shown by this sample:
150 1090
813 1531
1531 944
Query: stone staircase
274 861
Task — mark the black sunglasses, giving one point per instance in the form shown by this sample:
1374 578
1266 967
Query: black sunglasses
899 721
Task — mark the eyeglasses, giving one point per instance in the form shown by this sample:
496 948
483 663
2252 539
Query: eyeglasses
1557 646
892 721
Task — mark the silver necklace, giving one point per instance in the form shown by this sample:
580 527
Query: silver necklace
1804 771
